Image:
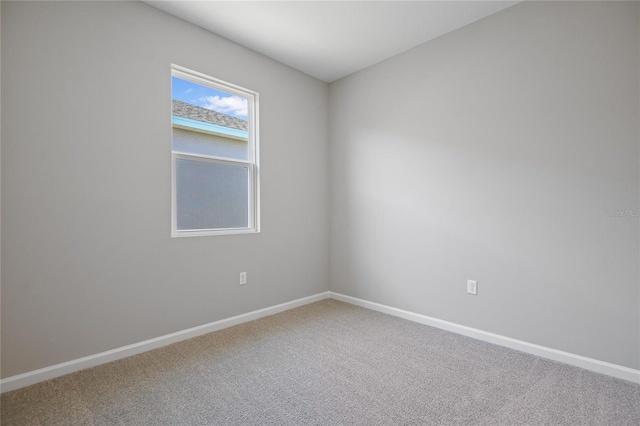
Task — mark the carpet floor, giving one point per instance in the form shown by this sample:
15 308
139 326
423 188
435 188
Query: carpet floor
328 363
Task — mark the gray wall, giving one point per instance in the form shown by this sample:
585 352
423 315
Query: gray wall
494 153
87 261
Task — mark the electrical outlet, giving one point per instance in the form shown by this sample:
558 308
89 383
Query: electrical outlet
472 287
243 278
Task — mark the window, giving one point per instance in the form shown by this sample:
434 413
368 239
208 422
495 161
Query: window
214 154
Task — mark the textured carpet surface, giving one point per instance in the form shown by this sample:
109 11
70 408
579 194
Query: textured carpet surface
328 363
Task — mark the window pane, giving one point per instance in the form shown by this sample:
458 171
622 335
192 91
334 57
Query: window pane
211 195
209 121
206 144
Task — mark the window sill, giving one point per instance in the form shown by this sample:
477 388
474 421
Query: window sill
212 232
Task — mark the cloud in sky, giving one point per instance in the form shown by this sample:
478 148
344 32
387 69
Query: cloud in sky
232 105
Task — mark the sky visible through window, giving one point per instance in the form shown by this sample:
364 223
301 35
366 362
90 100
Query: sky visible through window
209 98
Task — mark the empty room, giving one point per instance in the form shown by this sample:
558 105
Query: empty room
320 213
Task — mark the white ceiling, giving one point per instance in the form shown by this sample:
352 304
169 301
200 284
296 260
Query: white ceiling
330 39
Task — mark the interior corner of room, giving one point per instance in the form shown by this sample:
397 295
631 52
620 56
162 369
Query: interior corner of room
505 152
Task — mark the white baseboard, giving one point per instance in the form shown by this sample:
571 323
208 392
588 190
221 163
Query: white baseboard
591 364
36 376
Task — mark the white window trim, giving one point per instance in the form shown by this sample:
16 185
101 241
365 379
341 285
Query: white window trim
252 163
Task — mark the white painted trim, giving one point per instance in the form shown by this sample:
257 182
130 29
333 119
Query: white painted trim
211 159
591 364
51 372
36 376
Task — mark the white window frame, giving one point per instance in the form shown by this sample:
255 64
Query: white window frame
252 163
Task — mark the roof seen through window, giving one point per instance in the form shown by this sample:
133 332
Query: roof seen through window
209 98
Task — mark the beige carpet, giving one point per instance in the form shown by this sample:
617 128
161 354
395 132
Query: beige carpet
328 363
